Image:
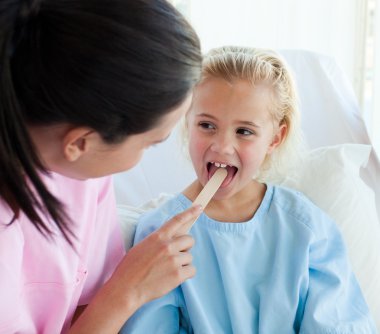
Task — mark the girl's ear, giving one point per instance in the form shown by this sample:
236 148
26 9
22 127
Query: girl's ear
76 142
278 137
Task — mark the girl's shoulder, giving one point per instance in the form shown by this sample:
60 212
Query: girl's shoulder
297 207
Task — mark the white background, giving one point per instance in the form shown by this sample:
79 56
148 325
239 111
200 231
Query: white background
346 30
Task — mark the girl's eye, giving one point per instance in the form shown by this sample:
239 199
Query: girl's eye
245 132
206 125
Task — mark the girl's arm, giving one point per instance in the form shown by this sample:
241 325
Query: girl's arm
334 303
160 316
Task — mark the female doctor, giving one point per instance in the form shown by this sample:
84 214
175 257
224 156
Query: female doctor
85 87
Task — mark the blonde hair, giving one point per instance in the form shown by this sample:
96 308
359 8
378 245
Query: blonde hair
263 66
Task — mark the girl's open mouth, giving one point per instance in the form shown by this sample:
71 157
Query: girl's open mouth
231 170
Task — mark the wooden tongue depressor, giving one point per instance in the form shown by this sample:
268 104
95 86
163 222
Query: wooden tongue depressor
210 188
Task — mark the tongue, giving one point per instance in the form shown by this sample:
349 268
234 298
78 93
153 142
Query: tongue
229 177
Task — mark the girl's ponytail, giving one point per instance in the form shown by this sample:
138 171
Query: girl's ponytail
20 185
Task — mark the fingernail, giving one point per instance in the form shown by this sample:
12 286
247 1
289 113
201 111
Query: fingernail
198 208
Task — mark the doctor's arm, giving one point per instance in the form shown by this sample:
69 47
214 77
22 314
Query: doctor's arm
150 269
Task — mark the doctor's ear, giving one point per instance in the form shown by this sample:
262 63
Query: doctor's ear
76 142
278 137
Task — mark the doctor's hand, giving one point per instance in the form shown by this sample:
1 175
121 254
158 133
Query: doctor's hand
152 268
161 261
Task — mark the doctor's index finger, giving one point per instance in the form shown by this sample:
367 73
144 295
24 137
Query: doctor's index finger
182 222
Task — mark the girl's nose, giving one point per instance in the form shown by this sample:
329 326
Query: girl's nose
222 144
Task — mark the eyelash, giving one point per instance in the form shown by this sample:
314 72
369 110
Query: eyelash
241 131
206 125
250 132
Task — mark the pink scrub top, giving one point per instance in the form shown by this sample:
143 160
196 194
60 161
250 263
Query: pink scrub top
42 281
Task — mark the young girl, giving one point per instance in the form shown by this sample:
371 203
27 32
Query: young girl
267 259
85 87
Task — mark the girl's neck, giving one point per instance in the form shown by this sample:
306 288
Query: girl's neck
241 207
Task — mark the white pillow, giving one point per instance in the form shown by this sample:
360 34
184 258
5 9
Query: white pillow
330 177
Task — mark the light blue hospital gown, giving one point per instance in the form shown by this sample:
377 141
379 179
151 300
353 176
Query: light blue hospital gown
284 271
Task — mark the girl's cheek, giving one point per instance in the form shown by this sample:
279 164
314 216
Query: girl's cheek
197 148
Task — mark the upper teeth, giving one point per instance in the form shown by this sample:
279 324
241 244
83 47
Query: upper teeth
217 164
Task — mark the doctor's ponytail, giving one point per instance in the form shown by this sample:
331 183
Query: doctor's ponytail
19 163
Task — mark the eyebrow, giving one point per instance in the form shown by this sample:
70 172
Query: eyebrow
250 123
240 122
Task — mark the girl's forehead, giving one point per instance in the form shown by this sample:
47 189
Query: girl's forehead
217 88
239 97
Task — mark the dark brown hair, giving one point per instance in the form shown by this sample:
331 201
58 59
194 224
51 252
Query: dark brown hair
116 66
